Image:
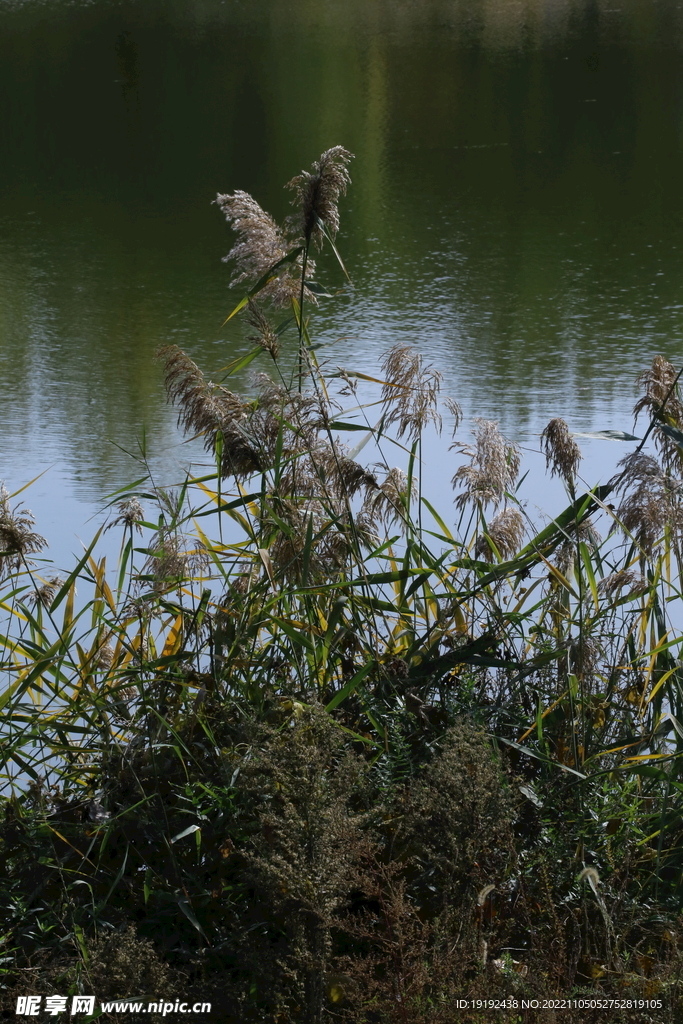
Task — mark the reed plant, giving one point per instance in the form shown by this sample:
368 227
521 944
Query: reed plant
330 753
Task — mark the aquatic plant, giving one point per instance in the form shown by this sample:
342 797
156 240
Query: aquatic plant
334 757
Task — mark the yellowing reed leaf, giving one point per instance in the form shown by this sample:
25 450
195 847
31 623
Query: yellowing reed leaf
660 683
173 637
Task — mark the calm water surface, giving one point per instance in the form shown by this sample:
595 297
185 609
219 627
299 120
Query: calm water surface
516 208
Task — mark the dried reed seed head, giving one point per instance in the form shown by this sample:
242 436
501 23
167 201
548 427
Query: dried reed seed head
658 384
564 559
45 594
16 535
262 244
304 410
456 412
131 514
350 383
265 336
317 193
105 653
386 504
505 531
584 655
618 581
662 402
332 537
567 553
648 513
637 469
366 531
562 453
653 505
246 577
586 533
173 561
288 424
242 453
208 409
203 406
410 391
493 469
345 476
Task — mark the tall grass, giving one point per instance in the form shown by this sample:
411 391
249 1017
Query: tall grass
335 757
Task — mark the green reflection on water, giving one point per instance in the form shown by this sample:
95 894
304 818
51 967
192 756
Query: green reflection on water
516 206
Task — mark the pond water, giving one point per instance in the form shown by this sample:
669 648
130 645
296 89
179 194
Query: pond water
516 208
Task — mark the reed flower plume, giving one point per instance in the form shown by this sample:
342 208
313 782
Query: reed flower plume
300 414
661 401
387 504
17 539
203 406
624 579
106 653
504 534
562 453
456 412
261 244
584 654
327 525
287 426
317 193
173 560
410 392
493 467
651 503
345 476
211 410
131 515
265 335
45 594
567 552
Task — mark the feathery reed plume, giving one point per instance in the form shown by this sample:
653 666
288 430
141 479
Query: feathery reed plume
661 402
203 406
46 593
105 652
618 581
638 468
494 466
317 192
365 531
584 654
410 391
387 503
345 476
16 536
456 412
208 409
303 411
131 514
330 532
652 505
262 244
171 562
562 453
505 533
567 553
265 335
287 425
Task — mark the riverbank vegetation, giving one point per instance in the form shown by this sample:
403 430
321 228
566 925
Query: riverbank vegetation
314 750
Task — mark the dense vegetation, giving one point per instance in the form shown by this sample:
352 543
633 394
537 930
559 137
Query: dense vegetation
311 754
